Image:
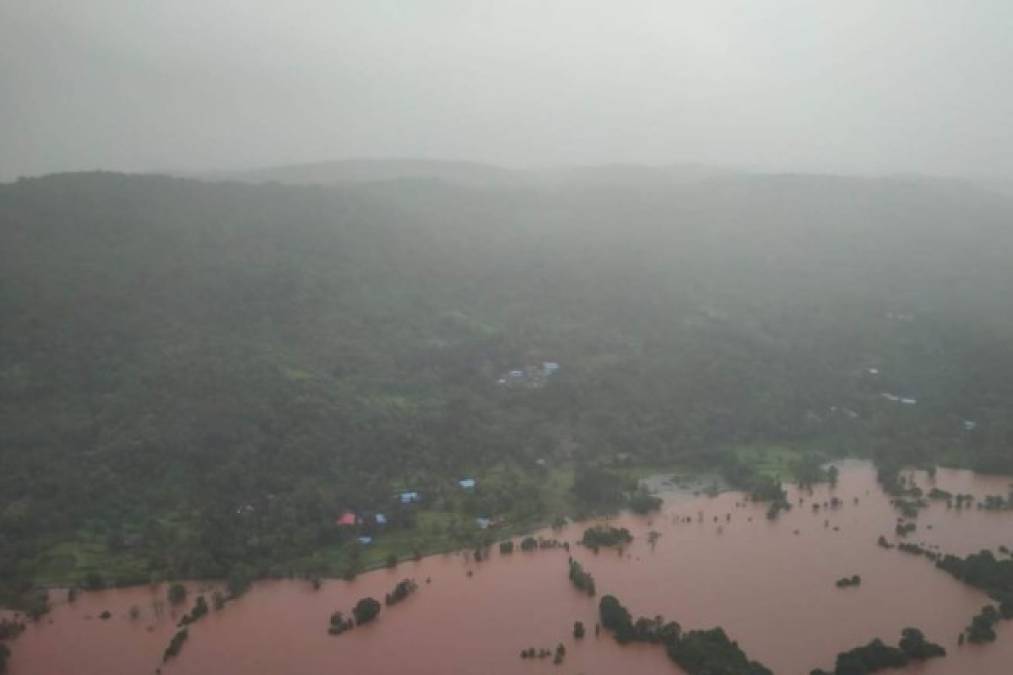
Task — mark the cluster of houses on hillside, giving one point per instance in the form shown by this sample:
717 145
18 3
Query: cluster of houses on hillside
364 522
531 377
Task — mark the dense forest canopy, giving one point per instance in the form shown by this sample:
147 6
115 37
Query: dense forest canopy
174 351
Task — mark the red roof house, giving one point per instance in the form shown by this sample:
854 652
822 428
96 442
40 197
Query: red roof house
347 519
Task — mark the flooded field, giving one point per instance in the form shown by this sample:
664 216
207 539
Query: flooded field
769 584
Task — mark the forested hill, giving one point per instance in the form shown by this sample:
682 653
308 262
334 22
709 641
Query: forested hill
172 350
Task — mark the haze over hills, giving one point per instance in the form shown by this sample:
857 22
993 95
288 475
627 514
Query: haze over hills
174 348
367 170
480 174
475 174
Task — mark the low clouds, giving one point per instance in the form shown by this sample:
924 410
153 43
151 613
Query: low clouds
862 86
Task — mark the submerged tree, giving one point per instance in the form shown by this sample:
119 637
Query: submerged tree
365 610
176 593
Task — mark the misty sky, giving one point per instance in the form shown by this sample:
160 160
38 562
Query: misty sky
865 86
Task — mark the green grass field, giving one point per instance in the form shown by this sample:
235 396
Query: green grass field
771 461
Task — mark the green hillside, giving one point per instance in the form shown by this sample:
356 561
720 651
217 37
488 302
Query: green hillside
196 378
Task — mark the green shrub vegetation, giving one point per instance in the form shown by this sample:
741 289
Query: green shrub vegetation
605 535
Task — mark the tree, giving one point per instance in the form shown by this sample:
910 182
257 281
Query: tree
339 624
175 644
581 579
365 610
643 502
914 644
239 579
578 630
176 593
616 618
93 581
597 487
402 590
606 535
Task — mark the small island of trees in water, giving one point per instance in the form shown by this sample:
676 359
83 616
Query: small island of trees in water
699 652
847 582
877 656
367 609
981 570
605 536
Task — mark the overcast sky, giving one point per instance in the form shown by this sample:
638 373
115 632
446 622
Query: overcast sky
867 86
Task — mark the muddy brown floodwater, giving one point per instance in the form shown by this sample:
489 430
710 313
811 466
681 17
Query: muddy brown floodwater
771 589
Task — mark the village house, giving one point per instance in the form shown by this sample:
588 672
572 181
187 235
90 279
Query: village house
409 497
347 519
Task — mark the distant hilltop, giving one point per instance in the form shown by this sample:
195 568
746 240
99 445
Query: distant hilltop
459 172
